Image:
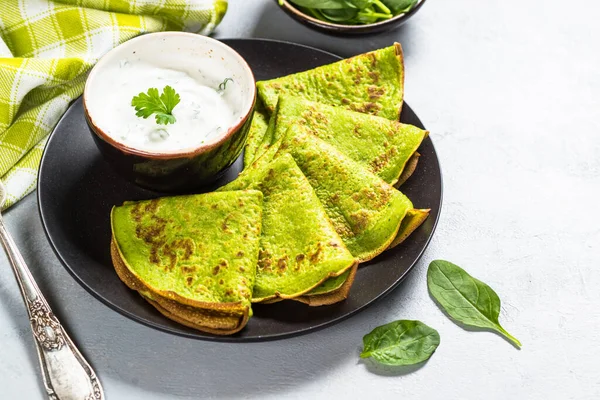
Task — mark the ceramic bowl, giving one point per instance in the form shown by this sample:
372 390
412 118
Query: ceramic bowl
346 30
189 168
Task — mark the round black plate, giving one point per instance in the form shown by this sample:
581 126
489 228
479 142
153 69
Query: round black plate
77 189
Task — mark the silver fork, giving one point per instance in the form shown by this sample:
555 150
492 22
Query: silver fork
66 374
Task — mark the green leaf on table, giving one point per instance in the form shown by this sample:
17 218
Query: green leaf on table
400 6
400 343
464 298
161 105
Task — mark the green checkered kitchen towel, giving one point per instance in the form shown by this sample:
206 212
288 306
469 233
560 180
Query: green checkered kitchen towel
47 48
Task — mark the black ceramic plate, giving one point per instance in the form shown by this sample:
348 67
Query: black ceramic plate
77 189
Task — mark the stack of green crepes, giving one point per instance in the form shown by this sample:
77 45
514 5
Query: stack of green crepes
324 157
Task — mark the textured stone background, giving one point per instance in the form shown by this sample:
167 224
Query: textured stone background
510 92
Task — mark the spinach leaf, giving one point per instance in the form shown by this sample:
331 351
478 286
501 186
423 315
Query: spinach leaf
354 11
314 12
360 4
400 343
365 17
341 15
400 6
465 299
369 16
321 4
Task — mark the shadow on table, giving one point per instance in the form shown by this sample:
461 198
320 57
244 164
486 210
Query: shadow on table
168 364
387 370
275 24
13 307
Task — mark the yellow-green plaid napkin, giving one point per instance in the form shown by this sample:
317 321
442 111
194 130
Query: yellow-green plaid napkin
46 50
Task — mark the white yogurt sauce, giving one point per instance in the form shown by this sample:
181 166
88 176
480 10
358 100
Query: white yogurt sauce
203 112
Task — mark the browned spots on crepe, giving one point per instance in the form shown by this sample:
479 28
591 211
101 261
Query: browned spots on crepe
314 257
154 259
374 75
367 108
360 220
373 60
136 212
152 206
152 234
375 92
382 160
188 269
264 260
282 263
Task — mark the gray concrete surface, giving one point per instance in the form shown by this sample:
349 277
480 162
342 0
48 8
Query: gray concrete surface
510 92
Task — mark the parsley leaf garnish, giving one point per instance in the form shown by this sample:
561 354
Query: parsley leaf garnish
162 105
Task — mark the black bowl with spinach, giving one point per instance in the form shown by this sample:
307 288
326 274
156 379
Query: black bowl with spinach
347 17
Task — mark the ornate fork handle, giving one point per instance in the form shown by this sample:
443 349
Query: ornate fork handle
66 374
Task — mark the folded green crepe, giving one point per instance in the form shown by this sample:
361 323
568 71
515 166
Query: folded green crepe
256 133
414 218
332 291
370 83
337 288
384 147
299 247
365 210
220 322
192 255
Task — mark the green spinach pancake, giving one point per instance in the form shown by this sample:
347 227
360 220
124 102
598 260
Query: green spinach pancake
371 83
299 246
382 146
192 255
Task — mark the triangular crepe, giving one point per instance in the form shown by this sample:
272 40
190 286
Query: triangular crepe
371 83
256 133
194 256
365 210
332 291
382 146
337 289
299 247
217 322
409 169
414 218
